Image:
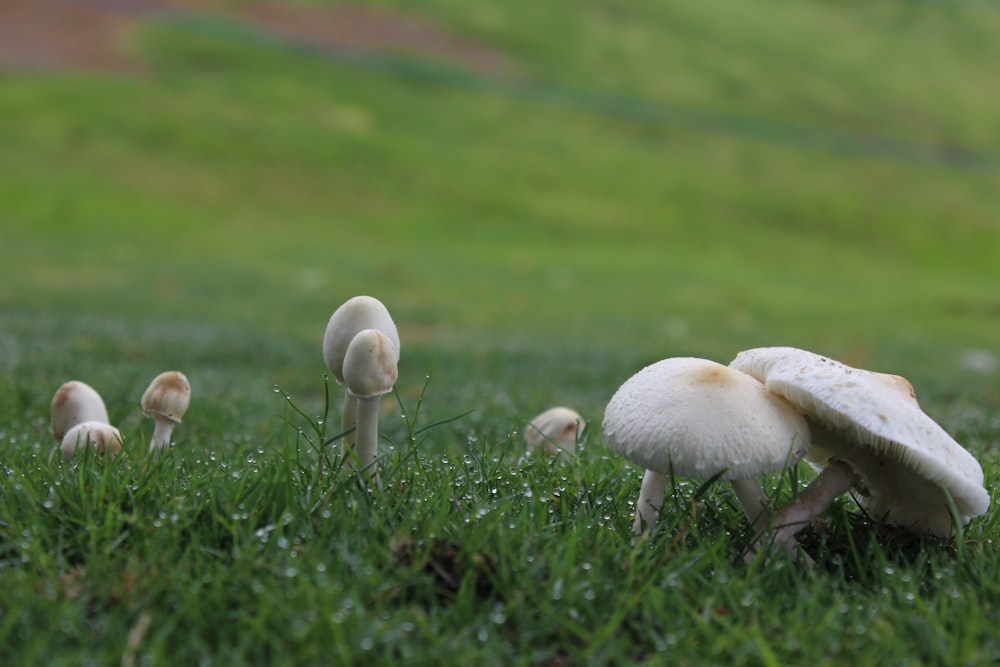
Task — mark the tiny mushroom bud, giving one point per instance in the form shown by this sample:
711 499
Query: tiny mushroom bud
166 400
353 316
75 402
555 431
102 436
697 418
369 370
869 434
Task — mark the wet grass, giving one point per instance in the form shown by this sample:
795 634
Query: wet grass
534 249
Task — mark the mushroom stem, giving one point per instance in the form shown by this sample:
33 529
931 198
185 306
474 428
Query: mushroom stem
836 479
348 420
365 451
754 502
162 431
647 509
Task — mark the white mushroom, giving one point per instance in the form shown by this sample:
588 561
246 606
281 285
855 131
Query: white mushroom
555 431
75 402
100 435
696 418
369 371
352 317
166 400
869 433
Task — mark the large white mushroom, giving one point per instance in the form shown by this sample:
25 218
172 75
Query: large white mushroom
870 434
352 317
75 402
369 371
555 431
166 400
697 418
104 437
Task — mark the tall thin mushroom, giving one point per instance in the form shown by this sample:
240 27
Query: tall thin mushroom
369 371
165 400
871 435
697 418
353 316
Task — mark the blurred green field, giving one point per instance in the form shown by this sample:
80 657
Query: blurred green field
624 182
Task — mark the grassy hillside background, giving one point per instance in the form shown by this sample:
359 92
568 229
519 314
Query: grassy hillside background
547 196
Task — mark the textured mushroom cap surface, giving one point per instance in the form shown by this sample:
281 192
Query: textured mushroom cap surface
168 395
104 437
75 402
555 430
697 418
873 422
352 317
370 364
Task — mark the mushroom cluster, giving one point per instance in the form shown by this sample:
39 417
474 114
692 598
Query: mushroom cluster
772 407
79 418
361 349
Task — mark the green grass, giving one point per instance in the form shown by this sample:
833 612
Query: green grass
645 182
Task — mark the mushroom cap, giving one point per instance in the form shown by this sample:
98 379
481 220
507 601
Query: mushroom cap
101 435
555 430
75 402
370 364
168 395
353 316
872 421
697 418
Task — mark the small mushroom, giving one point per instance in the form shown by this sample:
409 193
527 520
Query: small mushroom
369 371
353 316
698 418
870 434
555 431
166 400
100 435
75 402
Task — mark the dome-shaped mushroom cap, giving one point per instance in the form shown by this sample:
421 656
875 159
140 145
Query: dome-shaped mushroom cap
352 317
168 395
75 402
555 430
875 424
696 418
104 437
370 364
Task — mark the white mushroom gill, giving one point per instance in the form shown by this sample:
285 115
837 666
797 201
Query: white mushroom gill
370 370
165 400
871 435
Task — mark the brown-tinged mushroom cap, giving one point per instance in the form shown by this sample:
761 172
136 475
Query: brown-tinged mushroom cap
168 395
100 435
555 431
75 402
904 461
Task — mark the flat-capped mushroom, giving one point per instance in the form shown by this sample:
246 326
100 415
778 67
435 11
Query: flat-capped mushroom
869 433
369 371
555 431
353 316
166 400
75 402
697 418
105 438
